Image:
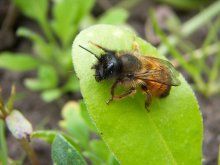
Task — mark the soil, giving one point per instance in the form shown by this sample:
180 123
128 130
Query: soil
46 115
211 118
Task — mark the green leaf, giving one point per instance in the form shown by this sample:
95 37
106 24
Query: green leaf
3 145
86 117
33 84
114 16
92 157
87 21
134 135
45 135
24 32
112 160
101 151
72 84
98 153
48 76
67 15
48 136
37 10
47 79
74 123
63 153
51 95
18 125
17 61
63 56
42 48
33 9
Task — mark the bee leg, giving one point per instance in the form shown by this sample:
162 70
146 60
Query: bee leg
113 91
148 100
130 92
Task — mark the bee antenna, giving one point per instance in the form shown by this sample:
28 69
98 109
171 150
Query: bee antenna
89 51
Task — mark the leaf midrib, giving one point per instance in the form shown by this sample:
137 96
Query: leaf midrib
157 130
162 138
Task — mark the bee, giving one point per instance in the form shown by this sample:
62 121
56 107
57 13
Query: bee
154 76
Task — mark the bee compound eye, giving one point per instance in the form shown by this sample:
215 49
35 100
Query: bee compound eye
110 66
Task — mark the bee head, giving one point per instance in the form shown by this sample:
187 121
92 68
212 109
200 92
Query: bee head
107 66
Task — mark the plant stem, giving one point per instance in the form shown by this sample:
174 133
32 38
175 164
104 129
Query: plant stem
2 108
213 75
3 145
3 112
10 103
29 150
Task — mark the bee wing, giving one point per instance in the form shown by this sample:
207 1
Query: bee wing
158 70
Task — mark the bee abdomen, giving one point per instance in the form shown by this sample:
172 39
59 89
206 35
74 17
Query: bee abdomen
157 89
166 91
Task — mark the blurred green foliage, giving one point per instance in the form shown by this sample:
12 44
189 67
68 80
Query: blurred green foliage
200 60
79 135
186 4
77 123
52 52
80 132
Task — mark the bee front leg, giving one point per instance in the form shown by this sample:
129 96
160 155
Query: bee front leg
148 100
130 92
114 85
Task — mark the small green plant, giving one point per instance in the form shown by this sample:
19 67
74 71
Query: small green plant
52 52
134 135
79 141
80 133
77 123
202 64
